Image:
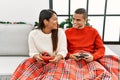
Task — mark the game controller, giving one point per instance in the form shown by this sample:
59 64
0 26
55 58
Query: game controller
82 55
46 57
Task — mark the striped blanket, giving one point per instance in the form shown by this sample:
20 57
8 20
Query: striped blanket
106 68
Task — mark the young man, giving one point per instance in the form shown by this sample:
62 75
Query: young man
84 38
86 49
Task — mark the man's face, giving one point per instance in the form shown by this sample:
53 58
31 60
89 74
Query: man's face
78 20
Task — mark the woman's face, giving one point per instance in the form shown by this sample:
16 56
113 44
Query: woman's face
78 20
52 22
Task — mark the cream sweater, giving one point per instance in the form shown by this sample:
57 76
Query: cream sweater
41 42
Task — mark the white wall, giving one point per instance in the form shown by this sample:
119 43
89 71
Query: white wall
22 10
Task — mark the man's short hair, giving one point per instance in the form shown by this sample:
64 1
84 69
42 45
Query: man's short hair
81 11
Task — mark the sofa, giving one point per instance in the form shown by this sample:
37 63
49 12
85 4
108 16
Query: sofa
14 47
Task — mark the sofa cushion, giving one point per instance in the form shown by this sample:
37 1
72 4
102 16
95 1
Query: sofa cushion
14 39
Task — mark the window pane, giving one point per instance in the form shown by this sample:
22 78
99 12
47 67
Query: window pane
97 23
61 18
96 6
77 4
112 29
60 6
113 7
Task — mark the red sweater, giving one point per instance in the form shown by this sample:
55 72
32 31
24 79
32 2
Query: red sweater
87 39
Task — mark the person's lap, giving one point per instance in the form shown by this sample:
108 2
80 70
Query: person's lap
68 69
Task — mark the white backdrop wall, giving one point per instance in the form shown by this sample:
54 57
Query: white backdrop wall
22 10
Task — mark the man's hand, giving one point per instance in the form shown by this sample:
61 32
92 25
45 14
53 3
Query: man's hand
88 58
74 56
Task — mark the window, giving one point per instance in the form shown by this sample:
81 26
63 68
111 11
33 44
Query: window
61 6
96 7
77 4
104 15
112 28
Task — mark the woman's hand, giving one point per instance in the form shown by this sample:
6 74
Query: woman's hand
38 58
56 58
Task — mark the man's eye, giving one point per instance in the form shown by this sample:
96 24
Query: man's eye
78 19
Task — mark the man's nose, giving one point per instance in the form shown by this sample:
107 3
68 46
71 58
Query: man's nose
74 21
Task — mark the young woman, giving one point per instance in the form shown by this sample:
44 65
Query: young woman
47 46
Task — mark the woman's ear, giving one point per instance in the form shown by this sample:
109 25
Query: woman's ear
45 22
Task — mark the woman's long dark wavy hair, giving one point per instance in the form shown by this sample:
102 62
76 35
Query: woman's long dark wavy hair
47 14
